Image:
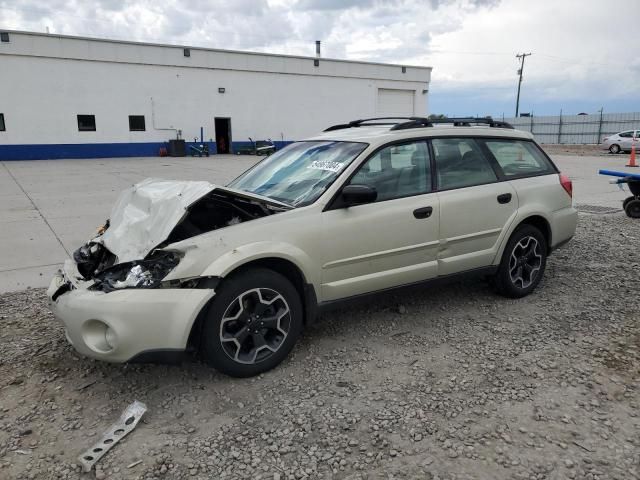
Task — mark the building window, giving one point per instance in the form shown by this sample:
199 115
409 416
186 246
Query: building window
136 123
186 52
2 126
404 69
86 123
316 62
4 37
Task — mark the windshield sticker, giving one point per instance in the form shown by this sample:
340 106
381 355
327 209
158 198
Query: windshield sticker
326 165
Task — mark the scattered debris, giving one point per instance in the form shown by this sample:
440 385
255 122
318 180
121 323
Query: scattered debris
127 422
400 334
582 446
134 464
85 385
16 381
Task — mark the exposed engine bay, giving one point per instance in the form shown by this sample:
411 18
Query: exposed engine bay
127 253
217 210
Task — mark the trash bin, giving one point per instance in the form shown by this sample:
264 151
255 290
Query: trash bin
177 148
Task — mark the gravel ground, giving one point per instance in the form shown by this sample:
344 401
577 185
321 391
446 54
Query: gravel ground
449 382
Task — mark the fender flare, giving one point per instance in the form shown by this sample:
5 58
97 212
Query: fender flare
237 257
521 217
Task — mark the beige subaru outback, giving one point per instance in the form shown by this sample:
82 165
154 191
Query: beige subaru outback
236 272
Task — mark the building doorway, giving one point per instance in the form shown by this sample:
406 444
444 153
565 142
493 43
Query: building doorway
223 134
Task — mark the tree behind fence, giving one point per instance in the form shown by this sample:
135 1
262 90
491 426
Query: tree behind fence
576 129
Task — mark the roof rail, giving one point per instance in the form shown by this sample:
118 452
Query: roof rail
415 121
420 122
467 121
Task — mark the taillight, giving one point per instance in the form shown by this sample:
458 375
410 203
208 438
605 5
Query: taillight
605 139
566 184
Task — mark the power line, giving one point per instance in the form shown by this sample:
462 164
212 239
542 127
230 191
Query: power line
576 61
457 52
521 56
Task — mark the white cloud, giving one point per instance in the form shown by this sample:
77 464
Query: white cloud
578 52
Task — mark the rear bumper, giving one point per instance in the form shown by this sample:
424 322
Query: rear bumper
563 226
126 325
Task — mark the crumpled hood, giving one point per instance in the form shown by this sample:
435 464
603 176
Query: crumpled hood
145 214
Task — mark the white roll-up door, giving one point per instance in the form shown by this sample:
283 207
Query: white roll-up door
395 102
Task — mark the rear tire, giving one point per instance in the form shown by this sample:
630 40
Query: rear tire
632 208
253 323
523 263
615 148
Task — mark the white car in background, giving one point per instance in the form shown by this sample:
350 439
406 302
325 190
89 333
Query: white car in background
621 142
235 273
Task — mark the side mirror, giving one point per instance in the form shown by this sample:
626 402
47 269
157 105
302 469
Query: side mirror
358 194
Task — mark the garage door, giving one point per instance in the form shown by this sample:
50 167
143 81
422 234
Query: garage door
395 102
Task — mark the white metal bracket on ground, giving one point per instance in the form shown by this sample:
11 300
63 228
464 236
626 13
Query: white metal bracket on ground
127 422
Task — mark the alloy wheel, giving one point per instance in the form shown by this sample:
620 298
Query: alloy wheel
255 325
525 262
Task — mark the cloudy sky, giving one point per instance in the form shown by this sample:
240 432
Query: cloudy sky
585 52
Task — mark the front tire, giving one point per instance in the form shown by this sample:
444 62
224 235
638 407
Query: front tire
523 263
253 323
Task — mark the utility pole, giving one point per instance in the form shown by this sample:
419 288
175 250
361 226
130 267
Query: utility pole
521 56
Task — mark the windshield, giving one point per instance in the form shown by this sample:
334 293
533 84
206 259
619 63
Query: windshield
299 173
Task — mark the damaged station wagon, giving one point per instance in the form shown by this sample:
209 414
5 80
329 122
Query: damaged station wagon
236 272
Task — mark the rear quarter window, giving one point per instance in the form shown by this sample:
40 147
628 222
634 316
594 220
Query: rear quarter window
519 158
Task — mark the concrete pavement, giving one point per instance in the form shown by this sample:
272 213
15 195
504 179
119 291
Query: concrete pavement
48 208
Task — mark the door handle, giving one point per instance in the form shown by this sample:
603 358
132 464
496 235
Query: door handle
424 212
504 198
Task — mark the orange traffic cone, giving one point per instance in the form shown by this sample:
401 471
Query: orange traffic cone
632 157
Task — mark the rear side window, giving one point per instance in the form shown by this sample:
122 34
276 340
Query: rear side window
626 134
461 163
519 158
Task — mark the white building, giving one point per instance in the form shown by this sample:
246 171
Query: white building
73 97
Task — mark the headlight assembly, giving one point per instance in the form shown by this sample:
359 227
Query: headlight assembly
137 274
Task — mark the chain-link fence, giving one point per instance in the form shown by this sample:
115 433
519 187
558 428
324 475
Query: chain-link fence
576 129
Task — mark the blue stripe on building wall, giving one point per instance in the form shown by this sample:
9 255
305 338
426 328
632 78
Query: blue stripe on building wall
101 150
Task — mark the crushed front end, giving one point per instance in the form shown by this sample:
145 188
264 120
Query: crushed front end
127 324
112 297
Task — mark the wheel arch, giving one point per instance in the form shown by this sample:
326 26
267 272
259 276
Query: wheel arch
284 267
541 224
534 219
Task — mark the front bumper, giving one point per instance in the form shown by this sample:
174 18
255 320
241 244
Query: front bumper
121 325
